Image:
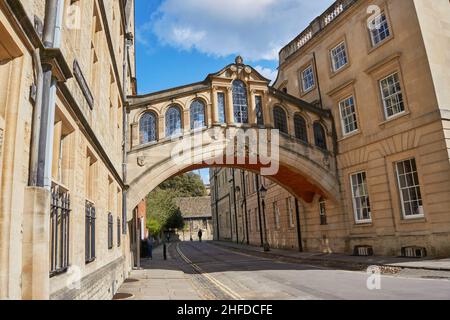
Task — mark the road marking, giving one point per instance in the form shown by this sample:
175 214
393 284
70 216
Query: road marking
216 282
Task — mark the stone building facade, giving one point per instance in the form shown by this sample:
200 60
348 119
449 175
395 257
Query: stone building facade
196 212
382 68
66 69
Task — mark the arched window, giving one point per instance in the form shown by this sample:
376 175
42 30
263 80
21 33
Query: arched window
147 128
197 115
240 102
280 119
173 121
320 138
301 133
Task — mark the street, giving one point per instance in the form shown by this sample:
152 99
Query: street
212 272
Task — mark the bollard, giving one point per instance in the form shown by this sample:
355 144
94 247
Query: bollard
165 251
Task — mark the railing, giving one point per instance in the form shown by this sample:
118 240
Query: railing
59 229
315 27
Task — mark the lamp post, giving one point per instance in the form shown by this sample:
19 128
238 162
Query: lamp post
263 193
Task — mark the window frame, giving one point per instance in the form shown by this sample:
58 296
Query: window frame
400 190
175 132
333 62
276 215
290 209
110 231
323 211
285 119
354 114
367 195
383 98
240 95
297 128
90 218
221 108
324 131
203 113
302 76
155 118
371 35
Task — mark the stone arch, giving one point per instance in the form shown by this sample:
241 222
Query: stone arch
301 169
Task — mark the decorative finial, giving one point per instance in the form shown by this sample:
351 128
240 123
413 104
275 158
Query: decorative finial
239 60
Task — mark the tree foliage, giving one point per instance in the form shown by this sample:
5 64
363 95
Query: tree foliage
162 212
186 185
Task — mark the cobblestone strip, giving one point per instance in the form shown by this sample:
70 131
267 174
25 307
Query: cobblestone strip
203 283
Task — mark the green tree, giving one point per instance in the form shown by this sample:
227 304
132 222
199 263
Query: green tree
162 212
186 185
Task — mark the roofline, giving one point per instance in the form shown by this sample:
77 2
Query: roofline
300 102
205 82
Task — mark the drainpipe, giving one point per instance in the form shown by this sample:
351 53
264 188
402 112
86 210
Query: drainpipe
235 207
44 113
34 150
125 127
259 213
216 195
299 228
245 206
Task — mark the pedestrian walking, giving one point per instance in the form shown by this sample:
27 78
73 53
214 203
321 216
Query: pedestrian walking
200 235
150 247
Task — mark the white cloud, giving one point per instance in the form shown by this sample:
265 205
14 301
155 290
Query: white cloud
256 29
267 73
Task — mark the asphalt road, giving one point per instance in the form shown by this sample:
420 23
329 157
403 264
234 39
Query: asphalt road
224 274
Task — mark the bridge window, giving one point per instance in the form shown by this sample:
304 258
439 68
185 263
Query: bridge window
320 136
147 128
259 111
240 102
197 115
280 119
221 106
301 132
173 121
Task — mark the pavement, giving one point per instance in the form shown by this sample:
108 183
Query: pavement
346 261
224 271
160 279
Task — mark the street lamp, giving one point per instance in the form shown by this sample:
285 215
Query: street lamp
263 194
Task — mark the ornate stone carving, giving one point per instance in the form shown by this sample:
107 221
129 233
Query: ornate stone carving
141 161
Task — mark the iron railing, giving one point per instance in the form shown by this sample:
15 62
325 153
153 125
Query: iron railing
110 231
59 229
90 232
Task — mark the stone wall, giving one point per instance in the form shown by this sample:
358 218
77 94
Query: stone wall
99 285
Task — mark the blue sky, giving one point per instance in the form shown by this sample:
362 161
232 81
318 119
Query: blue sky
181 41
